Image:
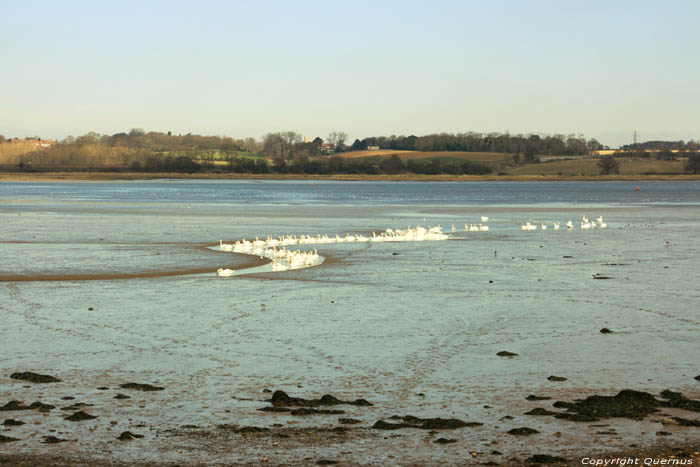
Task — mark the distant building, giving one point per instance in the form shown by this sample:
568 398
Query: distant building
373 148
40 143
326 148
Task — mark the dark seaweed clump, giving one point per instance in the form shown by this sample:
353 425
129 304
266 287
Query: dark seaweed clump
522 431
35 377
53 440
281 398
626 404
540 411
19 405
533 397
141 387
445 441
12 422
409 421
80 416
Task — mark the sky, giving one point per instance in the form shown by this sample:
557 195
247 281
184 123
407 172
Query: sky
603 69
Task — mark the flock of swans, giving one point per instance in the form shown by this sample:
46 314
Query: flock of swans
586 224
284 259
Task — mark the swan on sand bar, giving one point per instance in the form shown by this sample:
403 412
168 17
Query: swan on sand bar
225 272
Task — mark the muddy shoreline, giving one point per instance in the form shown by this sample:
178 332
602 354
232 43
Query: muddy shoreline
100 435
125 176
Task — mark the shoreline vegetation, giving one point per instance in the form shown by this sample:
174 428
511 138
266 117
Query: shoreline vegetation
290 156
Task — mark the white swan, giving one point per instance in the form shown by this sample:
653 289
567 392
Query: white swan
225 272
484 218
528 226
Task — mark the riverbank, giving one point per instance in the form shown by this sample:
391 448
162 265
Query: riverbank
117 176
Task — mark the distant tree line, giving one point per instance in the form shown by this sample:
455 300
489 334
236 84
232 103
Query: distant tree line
691 145
290 152
491 142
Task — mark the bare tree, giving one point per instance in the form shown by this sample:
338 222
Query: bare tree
337 140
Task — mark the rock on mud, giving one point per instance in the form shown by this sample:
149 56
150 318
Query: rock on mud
685 422
128 436
14 405
677 400
52 440
12 422
556 378
41 407
606 331
310 411
533 397
282 398
122 396
35 377
544 459
349 421
79 416
626 404
141 387
409 421
7 439
445 441
522 431
540 411
505 353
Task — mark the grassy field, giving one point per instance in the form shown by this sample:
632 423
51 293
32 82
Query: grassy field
589 167
442 155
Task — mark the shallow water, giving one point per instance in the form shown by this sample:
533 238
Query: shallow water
385 322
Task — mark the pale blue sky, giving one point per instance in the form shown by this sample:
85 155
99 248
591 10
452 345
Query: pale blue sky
601 68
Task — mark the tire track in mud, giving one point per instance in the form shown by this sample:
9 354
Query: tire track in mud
440 349
30 315
30 308
663 314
